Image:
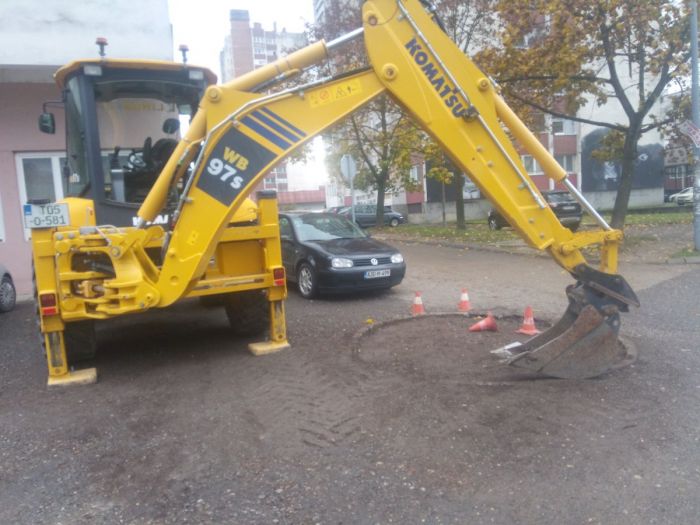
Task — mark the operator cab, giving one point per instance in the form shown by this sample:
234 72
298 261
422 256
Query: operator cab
123 120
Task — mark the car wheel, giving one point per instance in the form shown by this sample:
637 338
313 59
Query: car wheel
394 222
493 224
8 294
80 341
248 312
212 301
306 281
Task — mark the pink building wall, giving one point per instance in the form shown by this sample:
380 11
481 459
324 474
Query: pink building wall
20 106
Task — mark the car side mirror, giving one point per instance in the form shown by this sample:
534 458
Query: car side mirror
47 123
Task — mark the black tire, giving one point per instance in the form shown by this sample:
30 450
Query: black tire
306 281
8 294
80 341
37 316
394 222
212 301
493 224
248 312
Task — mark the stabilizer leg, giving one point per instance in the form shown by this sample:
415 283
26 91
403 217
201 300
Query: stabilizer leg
278 332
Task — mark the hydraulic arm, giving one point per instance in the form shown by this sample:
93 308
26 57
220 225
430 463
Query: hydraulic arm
243 134
239 133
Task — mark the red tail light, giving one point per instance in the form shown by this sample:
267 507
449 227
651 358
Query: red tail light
47 302
278 276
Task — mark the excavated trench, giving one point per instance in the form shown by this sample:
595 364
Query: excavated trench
441 345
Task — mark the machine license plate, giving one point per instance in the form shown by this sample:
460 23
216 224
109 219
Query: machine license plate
46 215
568 208
373 274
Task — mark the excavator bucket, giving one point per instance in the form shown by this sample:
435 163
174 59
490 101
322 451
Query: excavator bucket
584 343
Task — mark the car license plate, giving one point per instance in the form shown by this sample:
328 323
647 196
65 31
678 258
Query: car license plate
46 215
568 208
373 274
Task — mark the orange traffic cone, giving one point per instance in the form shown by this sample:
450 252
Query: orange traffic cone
528 326
417 308
485 325
464 304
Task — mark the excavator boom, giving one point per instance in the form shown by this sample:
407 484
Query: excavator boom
242 130
418 66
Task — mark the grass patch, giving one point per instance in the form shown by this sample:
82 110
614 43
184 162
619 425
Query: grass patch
671 216
477 232
685 252
633 241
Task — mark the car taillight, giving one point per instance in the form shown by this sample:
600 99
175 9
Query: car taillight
47 302
278 276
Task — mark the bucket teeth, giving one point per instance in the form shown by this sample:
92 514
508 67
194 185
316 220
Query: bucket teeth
583 344
577 347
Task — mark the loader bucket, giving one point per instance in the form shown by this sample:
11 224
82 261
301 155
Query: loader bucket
584 343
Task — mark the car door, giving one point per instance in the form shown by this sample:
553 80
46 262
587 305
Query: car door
290 249
364 216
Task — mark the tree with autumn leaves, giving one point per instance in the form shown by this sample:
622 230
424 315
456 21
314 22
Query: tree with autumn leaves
557 55
380 137
548 56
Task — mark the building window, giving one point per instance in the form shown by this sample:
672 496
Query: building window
566 162
39 178
562 126
531 165
414 174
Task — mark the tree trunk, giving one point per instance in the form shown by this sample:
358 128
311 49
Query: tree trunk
459 200
629 157
380 200
444 216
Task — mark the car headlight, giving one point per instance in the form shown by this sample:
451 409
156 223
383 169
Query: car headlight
341 262
397 258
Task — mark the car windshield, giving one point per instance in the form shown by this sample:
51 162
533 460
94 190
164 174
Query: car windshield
323 227
559 197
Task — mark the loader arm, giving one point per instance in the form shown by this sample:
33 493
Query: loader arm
238 135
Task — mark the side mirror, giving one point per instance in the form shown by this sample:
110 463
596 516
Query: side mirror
47 123
171 125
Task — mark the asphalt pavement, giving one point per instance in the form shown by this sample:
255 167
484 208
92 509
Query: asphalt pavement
185 426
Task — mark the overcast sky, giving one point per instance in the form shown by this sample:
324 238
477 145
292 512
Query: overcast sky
203 24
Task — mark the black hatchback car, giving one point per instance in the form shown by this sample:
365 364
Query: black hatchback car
567 210
324 252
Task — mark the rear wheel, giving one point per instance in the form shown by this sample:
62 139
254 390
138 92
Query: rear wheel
211 301
80 341
8 294
306 281
248 312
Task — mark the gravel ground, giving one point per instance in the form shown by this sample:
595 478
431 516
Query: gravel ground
395 426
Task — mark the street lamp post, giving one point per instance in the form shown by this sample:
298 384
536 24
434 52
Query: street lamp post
695 107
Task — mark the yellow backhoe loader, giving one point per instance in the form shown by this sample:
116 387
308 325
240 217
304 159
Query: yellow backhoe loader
195 232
